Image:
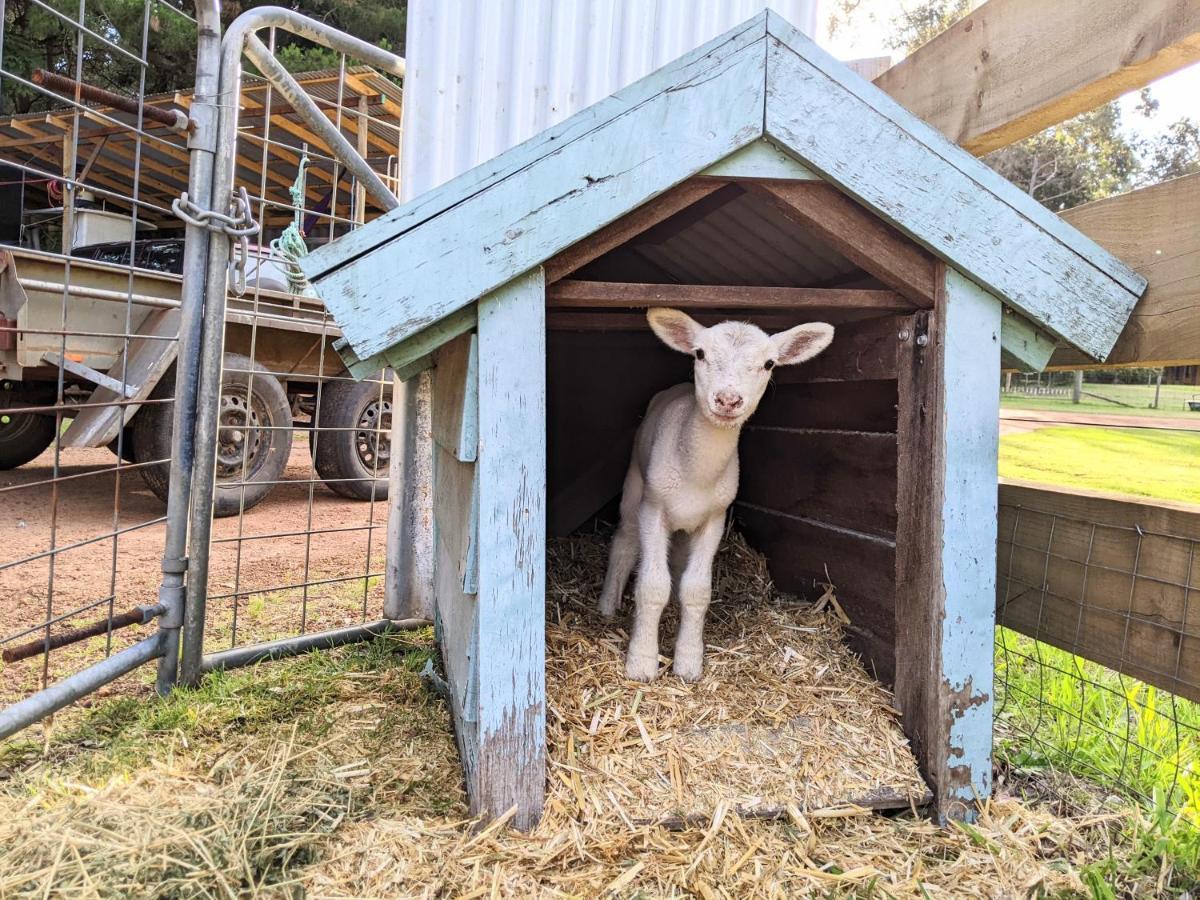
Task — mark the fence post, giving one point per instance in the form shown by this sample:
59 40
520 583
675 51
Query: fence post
202 148
1077 387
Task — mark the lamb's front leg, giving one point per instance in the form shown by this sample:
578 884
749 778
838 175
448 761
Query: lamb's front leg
695 591
651 593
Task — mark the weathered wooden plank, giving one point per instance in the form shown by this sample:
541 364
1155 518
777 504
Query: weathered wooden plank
456 397
488 174
567 194
1024 346
846 405
760 160
627 227
512 562
948 202
1011 68
612 320
944 565
1111 579
620 295
813 473
804 554
861 237
1154 230
861 351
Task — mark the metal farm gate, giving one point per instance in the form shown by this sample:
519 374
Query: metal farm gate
189 473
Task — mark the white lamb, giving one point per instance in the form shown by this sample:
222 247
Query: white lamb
684 475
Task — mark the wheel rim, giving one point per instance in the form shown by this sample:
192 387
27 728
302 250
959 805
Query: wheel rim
242 444
373 437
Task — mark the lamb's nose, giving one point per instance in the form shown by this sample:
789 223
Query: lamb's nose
728 401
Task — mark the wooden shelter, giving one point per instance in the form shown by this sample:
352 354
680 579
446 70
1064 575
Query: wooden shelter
757 178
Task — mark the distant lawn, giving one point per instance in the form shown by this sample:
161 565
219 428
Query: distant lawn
1172 403
1163 465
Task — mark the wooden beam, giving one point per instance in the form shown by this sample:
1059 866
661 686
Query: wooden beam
1012 68
864 239
760 160
627 227
1154 230
567 294
1023 346
945 565
1111 579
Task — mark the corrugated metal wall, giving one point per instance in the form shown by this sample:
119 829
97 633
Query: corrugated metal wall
484 75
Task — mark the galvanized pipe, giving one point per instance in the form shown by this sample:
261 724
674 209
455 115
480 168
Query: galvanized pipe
139 615
43 703
202 145
343 150
293 646
204 471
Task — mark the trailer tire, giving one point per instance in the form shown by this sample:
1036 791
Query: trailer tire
23 437
262 400
353 459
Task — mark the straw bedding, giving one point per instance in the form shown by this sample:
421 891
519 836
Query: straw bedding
653 791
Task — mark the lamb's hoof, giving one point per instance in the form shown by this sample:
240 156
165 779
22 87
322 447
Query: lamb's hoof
687 669
639 669
607 610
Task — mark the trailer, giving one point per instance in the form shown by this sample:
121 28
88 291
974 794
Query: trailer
87 352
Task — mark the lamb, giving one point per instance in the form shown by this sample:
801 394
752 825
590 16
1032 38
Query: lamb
684 474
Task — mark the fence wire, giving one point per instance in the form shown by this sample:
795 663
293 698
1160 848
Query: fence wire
89 291
1096 653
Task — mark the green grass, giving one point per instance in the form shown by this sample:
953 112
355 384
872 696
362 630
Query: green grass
1134 400
1059 711
1152 463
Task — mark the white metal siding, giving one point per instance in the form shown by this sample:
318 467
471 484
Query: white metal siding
484 75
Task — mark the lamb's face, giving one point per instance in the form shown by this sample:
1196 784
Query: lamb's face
734 359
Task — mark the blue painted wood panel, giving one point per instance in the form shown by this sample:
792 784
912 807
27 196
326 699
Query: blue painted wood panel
512 549
863 141
971 360
700 114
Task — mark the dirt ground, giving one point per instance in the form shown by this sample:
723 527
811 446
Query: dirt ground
332 542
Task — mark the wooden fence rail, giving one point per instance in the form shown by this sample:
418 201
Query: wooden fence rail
1112 580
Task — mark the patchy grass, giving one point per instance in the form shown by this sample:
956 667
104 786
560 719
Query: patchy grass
1153 463
1061 712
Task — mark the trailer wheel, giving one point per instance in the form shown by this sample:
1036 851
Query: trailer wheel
254 436
23 436
352 458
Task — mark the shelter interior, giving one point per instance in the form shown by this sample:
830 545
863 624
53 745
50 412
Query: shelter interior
822 458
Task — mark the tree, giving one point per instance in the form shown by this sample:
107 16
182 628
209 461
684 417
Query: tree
34 38
1173 153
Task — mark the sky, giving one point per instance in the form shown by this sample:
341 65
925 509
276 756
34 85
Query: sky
1178 94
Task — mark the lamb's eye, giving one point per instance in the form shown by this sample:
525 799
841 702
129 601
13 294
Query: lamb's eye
769 365
699 353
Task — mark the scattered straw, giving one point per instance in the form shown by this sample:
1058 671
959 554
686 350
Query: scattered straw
652 790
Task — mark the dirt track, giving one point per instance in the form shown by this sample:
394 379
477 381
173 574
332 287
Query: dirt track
263 575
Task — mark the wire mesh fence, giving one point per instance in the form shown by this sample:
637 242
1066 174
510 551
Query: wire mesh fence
1096 654
90 293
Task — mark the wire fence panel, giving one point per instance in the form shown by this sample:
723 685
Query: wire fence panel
89 323
1169 391
302 449
1098 653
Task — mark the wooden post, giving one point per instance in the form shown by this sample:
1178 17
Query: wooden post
946 540
408 574
490 533
1077 387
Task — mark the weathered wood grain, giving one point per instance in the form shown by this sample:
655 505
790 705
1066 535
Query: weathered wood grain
512 552
863 351
948 202
760 160
566 193
569 293
1110 579
1024 346
1154 230
1011 68
843 478
864 239
455 423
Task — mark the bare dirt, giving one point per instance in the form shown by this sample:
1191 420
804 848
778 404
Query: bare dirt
105 529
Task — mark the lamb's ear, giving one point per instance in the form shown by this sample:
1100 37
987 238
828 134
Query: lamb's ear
801 343
676 329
